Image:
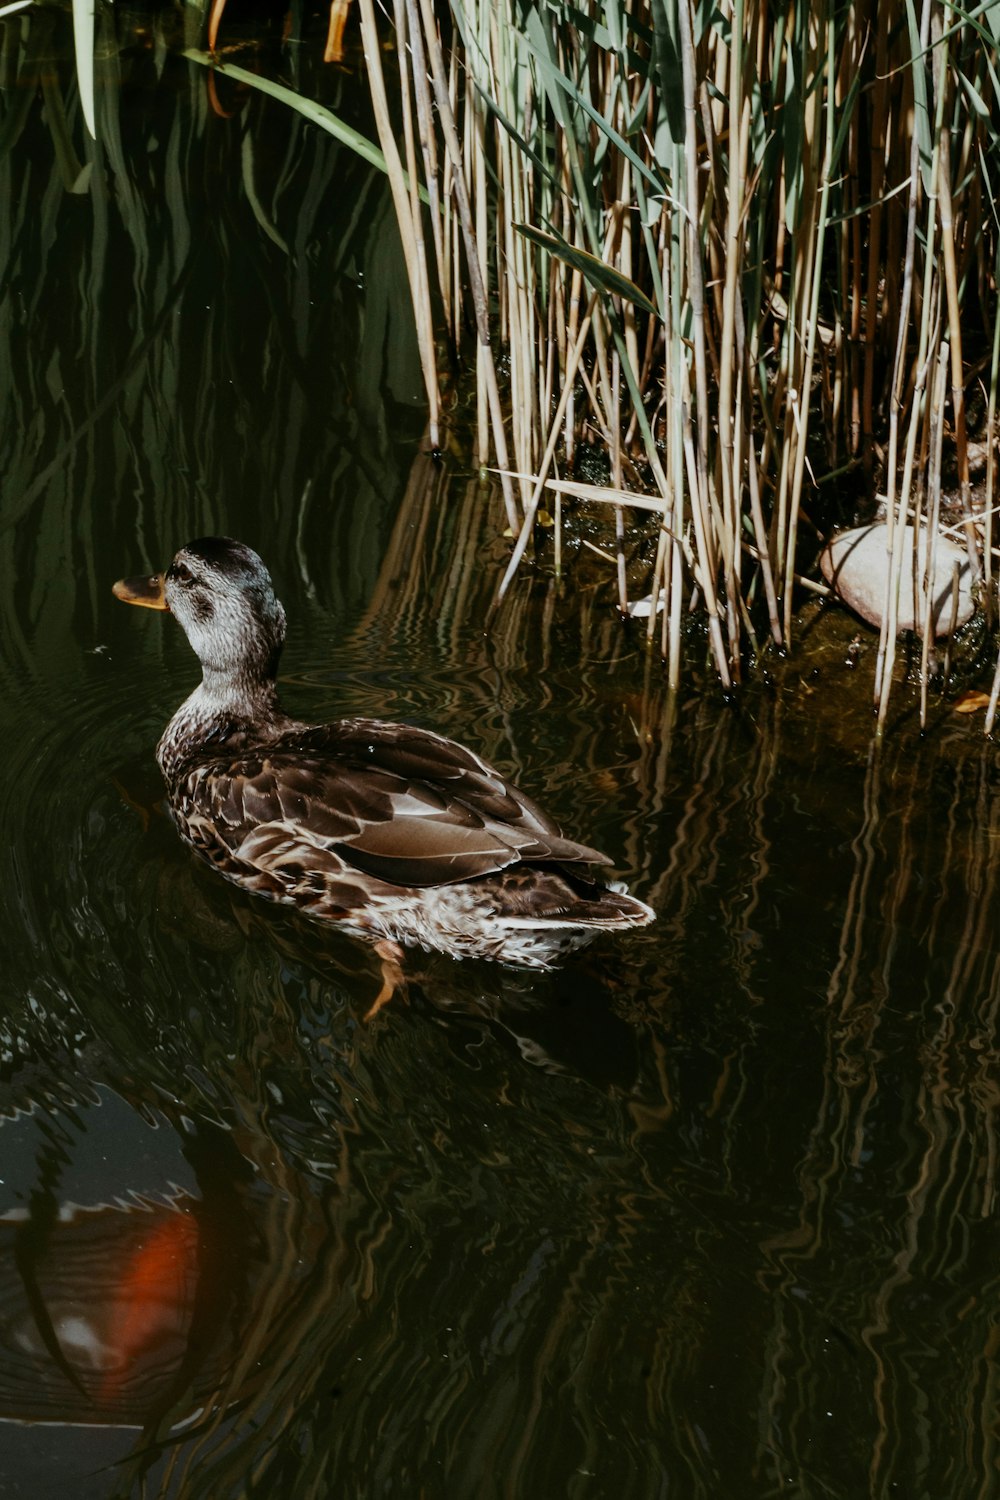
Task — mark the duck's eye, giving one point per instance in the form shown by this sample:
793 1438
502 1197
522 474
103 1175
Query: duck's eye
181 573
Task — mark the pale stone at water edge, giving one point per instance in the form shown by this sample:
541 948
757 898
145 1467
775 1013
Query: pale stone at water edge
855 564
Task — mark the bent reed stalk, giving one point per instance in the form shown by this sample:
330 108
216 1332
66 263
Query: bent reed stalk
722 250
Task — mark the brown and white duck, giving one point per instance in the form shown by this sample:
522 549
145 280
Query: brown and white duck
395 833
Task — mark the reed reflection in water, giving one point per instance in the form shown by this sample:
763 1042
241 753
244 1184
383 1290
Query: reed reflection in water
710 1211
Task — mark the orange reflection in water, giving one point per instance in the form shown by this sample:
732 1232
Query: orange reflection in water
154 1294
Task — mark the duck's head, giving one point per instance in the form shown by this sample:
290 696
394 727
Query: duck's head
222 595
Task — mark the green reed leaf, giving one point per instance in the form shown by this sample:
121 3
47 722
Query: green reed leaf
318 114
600 275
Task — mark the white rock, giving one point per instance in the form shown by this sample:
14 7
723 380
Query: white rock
856 563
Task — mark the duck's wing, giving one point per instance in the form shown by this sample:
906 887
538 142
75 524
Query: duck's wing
401 805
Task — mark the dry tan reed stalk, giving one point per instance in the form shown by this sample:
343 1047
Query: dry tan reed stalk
482 240
991 711
739 121
763 555
887 633
428 151
472 262
408 214
673 525
811 281
523 336
991 460
927 353
847 360
616 479
569 432
703 571
874 296
955 339
450 273
578 489
895 542
928 601
421 292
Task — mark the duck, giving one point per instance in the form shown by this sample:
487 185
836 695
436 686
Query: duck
395 833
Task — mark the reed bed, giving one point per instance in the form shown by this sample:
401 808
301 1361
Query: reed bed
731 272
746 258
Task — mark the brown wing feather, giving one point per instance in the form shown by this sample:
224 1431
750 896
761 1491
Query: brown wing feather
404 806
420 755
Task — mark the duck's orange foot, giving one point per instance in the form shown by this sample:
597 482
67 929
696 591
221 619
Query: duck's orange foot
393 979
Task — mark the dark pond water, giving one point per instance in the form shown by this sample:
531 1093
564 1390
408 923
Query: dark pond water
710 1212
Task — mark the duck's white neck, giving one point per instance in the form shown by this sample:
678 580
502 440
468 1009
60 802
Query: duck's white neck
222 709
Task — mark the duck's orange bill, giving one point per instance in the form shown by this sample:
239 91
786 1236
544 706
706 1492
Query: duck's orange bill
145 591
